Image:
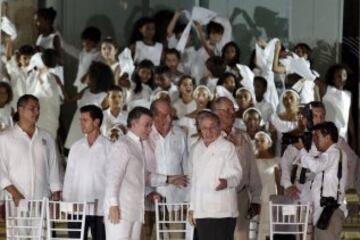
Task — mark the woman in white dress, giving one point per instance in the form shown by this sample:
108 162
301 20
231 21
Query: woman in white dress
245 99
143 44
143 81
185 104
48 37
337 100
286 120
109 51
99 79
268 166
202 97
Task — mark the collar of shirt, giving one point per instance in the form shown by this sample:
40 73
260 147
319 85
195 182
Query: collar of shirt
99 139
21 131
157 135
212 144
133 137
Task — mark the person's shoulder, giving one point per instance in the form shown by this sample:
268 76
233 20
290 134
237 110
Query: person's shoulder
45 134
78 144
7 132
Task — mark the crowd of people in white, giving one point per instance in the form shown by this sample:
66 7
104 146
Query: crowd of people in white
167 120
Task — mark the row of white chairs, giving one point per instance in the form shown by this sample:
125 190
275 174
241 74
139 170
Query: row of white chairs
46 219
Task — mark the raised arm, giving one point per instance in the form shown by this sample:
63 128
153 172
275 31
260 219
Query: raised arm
170 28
203 40
277 67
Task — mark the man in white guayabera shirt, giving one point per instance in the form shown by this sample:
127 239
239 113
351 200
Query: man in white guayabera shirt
169 164
125 179
86 172
215 172
29 163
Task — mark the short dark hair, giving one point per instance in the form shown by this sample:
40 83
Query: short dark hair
216 66
262 80
8 91
49 14
115 88
92 34
136 113
328 128
22 101
317 104
50 57
172 51
94 111
102 75
26 50
162 69
214 27
305 47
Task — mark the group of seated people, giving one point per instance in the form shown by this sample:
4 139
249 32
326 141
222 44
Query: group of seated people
171 122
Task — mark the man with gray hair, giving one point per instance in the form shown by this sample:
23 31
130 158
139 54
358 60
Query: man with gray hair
249 190
215 172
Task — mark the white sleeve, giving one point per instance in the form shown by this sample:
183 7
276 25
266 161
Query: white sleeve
118 160
54 167
286 164
317 165
69 176
232 171
4 174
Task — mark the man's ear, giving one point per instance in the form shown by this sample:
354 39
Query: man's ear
97 121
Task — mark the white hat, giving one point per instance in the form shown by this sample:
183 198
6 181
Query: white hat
266 135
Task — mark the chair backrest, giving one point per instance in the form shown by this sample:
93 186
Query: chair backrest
172 218
254 228
66 220
288 217
25 221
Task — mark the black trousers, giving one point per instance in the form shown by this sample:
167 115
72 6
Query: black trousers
96 225
215 228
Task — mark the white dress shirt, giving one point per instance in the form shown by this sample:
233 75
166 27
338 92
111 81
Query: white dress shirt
207 165
170 159
125 178
86 173
30 164
328 162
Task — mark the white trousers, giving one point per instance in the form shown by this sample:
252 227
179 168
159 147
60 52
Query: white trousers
125 230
